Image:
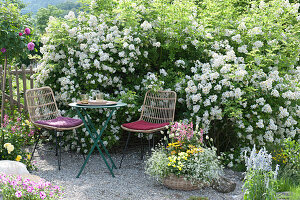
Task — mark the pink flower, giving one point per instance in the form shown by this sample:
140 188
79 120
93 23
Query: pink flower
42 195
20 34
3 50
30 46
18 194
31 133
27 31
30 189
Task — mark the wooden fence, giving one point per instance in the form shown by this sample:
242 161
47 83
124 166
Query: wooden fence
14 73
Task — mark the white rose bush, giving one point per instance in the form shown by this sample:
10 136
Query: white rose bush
236 73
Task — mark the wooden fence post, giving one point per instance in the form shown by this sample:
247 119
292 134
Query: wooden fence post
24 86
3 91
11 95
18 89
31 73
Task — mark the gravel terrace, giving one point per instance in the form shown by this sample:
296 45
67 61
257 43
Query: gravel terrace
130 182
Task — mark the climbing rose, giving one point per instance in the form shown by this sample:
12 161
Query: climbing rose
30 46
27 31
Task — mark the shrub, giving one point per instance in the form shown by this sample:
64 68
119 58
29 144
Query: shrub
235 69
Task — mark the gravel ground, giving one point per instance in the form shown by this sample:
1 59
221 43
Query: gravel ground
130 182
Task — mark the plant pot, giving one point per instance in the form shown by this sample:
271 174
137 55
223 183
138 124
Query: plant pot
179 183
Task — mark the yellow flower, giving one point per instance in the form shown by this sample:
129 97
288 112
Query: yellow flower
18 158
27 122
10 148
28 156
6 145
173 152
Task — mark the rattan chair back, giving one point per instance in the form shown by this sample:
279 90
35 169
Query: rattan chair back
159 107
41 104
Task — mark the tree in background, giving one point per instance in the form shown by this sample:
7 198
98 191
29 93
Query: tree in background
43 14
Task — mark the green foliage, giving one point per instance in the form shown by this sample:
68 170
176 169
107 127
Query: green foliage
32 6
11 24
43 14
60 10
284 184
291 168
294 193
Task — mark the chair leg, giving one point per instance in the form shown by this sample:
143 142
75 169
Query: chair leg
149 145
153 141
125 148
59 155
58 149
35 145
142 148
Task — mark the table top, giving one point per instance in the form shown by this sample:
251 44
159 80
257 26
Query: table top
119 104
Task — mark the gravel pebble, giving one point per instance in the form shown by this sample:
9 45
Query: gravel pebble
130 182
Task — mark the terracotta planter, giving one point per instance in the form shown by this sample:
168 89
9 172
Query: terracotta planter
179 183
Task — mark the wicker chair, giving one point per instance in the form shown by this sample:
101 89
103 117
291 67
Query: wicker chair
43 113
158 111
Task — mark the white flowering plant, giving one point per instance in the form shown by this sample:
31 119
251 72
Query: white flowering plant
260 178
235 67
186 155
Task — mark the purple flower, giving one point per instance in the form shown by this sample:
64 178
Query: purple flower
27 31
30 46
3 50
42 195
20 34
18 194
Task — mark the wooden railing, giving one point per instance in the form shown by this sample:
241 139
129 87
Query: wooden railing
17 93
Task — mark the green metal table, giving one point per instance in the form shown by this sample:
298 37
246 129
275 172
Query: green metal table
81 111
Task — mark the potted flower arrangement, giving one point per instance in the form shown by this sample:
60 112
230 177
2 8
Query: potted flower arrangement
187 162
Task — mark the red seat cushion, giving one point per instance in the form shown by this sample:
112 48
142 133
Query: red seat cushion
142 125
61 122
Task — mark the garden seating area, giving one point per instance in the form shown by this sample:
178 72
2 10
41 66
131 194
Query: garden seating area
211 87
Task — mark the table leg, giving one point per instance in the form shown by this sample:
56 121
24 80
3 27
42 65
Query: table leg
101 132
89 124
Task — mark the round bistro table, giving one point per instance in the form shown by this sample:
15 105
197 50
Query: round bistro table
81 111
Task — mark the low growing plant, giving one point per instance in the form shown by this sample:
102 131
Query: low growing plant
186 155
18 188
260 180
291 169
15 135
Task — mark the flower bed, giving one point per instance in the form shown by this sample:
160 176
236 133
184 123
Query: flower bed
18 188
14 136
